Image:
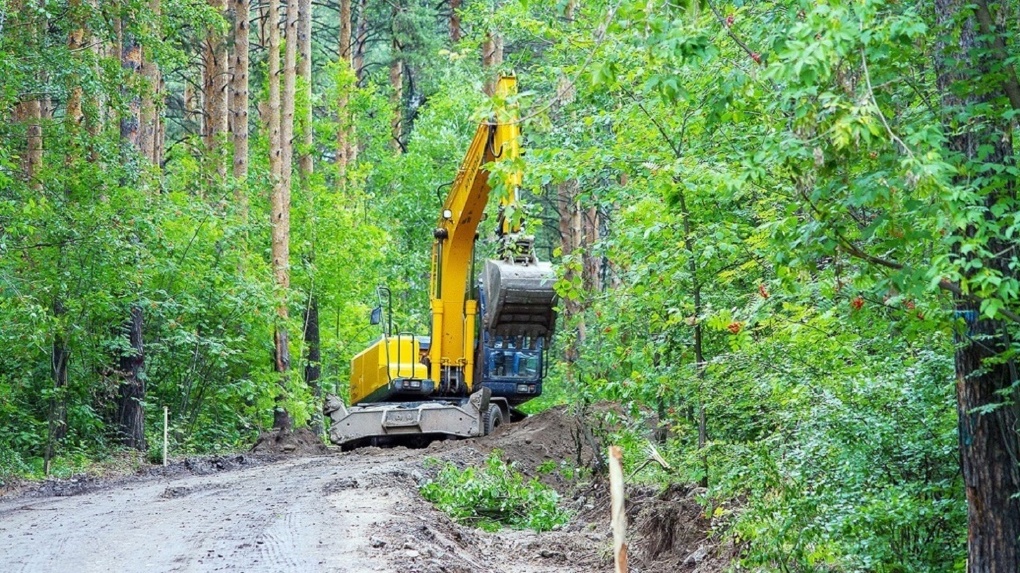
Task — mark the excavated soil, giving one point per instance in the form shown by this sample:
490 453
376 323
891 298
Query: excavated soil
300 441
347 512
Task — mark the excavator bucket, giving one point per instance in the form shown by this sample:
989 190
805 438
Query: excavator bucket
520 299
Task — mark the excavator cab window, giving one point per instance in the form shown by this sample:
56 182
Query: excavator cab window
516 358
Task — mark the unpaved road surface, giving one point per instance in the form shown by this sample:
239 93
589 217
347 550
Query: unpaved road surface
343 512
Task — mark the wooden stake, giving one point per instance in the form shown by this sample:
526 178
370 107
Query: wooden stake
618 515
166 425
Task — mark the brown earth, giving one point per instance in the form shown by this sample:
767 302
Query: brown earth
345 512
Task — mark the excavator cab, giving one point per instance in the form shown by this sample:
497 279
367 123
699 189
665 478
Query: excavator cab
512 367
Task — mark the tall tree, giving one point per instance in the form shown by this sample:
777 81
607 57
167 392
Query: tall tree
304 71
971 77
343 133
215 88
131 395
492 58
30 109
360 40
455 30
149 112
279 161
239 98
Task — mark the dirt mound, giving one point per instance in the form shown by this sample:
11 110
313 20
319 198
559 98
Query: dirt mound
554 434
300 441
548 445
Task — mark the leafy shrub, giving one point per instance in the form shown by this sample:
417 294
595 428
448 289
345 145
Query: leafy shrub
494 495
11 464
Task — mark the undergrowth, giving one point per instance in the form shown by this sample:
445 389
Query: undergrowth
493 495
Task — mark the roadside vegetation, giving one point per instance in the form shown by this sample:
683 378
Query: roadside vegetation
493 495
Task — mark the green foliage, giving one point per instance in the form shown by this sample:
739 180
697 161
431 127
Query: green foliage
494 495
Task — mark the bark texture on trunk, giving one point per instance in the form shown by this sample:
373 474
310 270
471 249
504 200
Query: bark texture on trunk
989 442
492 57
239 99
149 108
455 32
74 114
215 87
287 109
360 39
131 60
279 161
131 395
343 133
304 30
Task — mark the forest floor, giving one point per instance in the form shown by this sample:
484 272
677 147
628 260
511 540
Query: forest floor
356 511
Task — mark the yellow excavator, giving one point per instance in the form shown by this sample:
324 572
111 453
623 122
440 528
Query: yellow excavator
467 376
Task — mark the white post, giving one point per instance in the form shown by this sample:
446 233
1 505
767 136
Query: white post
618 515
166 423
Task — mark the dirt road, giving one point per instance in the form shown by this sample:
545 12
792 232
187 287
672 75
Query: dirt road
345 512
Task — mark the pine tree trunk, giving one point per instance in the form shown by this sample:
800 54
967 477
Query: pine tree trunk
131 60
361 38
131 397
33 134
304 29
215 85
988 439
239 102
454 21
74 114
492 57
149 110
279 210
289 92
343 138
131 394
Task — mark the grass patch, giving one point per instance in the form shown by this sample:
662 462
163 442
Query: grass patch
494 495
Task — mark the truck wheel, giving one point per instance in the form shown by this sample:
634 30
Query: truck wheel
493 419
